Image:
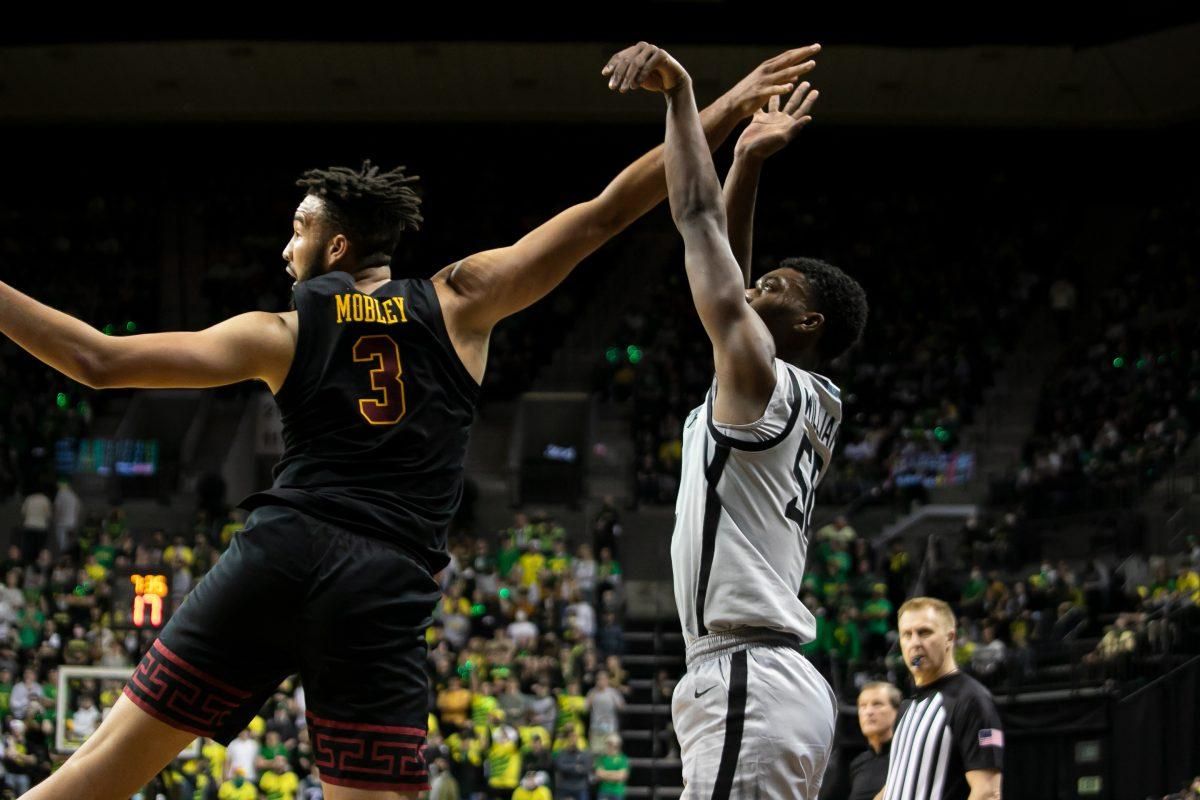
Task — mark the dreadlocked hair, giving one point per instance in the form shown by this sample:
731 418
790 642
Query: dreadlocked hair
840 298
370 207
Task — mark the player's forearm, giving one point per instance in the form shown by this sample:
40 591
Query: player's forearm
642 185
692 184
57 339
698 210
741 192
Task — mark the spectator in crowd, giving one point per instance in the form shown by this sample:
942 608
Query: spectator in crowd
238 787
532 787
68 510
454 702
241 757
25 692
572 768
604 703
311 789
987 662
837 531
442 785
85 719
878 704
611 770
278 782
36 514
503 761
606 526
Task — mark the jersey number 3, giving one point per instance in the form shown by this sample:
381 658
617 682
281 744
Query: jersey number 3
385 378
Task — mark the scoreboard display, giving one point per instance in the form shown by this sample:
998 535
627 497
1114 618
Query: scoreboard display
141 598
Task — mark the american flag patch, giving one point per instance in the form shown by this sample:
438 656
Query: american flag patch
991 737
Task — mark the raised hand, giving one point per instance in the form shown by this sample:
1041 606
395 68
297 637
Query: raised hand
771 129
643 66
775 76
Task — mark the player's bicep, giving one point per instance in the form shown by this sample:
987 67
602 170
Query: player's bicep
249 346
494 284
743 349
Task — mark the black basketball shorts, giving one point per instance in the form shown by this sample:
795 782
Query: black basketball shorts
293 594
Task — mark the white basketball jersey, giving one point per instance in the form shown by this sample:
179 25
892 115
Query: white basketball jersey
744 505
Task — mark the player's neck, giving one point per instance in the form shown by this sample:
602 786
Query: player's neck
375 274
806 359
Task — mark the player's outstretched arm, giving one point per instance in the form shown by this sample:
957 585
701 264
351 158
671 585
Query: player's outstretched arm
249 346
491 285
743 350
769 131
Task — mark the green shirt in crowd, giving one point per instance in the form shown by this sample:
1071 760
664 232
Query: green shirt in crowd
614 763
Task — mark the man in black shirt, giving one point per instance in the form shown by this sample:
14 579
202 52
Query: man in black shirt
949 741
376 381
878 703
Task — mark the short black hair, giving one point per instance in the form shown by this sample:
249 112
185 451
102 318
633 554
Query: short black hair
370 207
839 298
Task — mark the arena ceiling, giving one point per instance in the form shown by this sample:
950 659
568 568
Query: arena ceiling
1020 71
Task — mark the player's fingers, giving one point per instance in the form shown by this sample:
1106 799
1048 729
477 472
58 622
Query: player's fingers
618 73
797 97
615 60
807 105
773 103
642 69
792 56
793 71
645 54
778 89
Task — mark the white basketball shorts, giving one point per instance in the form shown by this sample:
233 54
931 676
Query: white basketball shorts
754 718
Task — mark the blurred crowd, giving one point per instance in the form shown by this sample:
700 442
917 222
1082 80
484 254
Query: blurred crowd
1122 403
525 660
526 657
62 246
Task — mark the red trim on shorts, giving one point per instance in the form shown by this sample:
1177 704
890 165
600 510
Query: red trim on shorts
163 718
353 726
415 786
179 662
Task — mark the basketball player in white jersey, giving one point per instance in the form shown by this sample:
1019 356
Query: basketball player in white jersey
754 718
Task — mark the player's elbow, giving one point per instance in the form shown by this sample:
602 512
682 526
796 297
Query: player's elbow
698 212
606 216
90 370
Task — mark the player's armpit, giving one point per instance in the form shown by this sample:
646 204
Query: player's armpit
984 783
255 345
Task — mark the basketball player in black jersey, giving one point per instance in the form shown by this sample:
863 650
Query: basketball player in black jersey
375 380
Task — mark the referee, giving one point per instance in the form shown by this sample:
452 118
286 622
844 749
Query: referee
948 743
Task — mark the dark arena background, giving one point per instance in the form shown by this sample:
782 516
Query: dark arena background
1018 197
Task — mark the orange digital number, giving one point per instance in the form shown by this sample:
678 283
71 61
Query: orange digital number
149 590
139 610
385 378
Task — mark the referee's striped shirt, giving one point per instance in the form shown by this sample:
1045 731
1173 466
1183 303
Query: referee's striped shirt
946 729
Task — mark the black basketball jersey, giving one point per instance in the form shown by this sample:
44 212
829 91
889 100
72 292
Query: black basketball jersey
376 411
